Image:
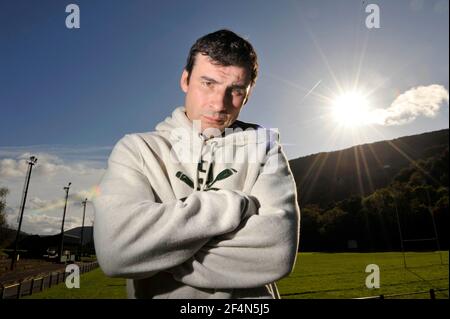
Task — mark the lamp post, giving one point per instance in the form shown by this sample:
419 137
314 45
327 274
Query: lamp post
62 225
82 227
31 162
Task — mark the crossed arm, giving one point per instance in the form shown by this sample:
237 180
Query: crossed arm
262 249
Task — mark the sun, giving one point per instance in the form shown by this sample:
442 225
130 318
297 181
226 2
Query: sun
351 109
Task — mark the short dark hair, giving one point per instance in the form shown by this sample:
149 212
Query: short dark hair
225 48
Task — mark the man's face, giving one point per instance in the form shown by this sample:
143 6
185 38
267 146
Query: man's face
215 94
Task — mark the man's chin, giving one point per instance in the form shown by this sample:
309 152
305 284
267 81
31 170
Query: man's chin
213 129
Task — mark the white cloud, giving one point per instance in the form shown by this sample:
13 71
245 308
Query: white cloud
43 224
419 101
45 216
12 168
47 165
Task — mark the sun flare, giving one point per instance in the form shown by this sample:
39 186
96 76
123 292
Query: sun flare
351 109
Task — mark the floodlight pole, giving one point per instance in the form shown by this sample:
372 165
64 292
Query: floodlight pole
31 162
82 227
62 225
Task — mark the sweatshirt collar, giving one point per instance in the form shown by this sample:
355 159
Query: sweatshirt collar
179 127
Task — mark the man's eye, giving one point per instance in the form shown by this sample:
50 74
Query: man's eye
207 84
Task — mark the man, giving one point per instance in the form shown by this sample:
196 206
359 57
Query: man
203 207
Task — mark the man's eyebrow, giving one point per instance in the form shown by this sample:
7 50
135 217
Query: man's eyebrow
239 86
232 86
206 78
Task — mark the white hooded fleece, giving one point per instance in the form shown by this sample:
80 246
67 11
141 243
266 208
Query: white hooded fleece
182 216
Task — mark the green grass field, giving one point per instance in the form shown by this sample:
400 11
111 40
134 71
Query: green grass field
320 275
316 275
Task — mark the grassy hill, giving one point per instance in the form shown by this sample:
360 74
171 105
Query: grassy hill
88 233
8 236
360 170
36 245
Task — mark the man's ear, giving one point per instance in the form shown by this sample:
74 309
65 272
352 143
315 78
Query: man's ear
184 81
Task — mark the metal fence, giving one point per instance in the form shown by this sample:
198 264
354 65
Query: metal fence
37 284
431 292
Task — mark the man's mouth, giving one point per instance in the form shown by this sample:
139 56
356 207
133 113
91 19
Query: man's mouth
214 119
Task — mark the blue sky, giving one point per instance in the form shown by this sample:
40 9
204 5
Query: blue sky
71 94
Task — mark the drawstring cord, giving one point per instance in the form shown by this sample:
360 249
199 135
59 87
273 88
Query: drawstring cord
213 144
274 290
199 158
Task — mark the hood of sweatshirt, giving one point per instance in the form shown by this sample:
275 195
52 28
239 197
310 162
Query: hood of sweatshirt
193 147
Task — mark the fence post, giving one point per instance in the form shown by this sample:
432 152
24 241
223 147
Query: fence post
42 283
432 294
19 290
31 286
50 281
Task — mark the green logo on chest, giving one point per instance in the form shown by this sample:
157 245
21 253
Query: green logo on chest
221 176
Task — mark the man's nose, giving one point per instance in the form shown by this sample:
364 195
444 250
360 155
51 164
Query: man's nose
219 101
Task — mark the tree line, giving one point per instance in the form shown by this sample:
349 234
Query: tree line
415 205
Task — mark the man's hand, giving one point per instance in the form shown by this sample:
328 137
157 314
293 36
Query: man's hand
249 207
